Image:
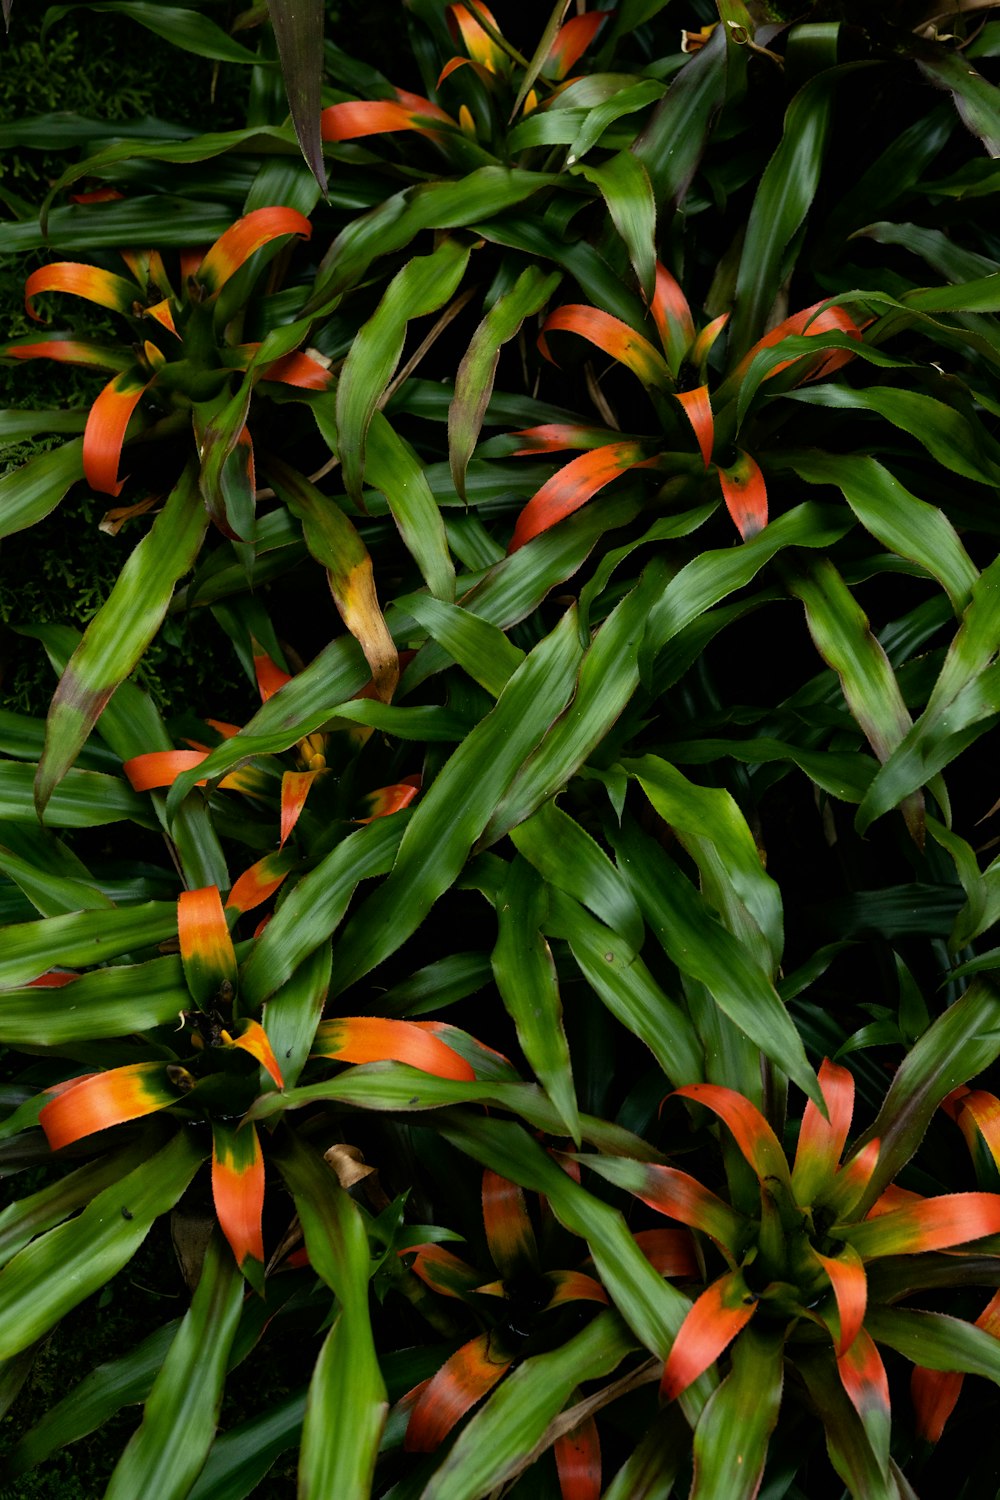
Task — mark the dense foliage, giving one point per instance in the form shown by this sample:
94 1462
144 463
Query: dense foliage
540 981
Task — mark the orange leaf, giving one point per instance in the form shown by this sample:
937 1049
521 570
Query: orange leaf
508 1229
713 1322
671 1252
750 1130
301 370
573 485
260 881
552 437
253 1038
360 117
935 1392
462 1381
269 675
571 42
578 1454
574 1286
295 788
698 410
164 315
809 321
745 494
364 1039
161 767
238 1193
242 239
850 1288
100 1100
53 980
862 1374
102 287
672 316
442 1271
930 1224
206 947
821 1141
612 336
463 21
68 352
389 799
105 431
703 343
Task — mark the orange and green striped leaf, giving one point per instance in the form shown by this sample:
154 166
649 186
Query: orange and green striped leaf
356 118
571 42
850 1290
745 494
100 1100
252 1038
698 410
976 1112
574 1286
573 485
105 431
929 1224
206 947
463 22
676 1194
847 1187
749 1129
261 880
238 1193
71 352
389 799
821 1142
242 239
462 1381
613 337
672 317
508 1228
102 287
364 1039
578 1455
863 1377
702 346
713 1322
442 1271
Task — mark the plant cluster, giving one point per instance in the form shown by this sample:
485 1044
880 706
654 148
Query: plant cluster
548 1010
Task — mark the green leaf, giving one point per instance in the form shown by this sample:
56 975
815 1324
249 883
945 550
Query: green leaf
433 205
843 638
392 467
338 1456
652 1466
961 444
615 972
703 949
51 894
294 1011
572 861
109 1002
625 187
61 1268
102 1393
83 799
423 286
624 101
119 633
847 1441
526 978
959 1044
479 648
781 203
453 812
20 1222
187 29
671 146
714 832
537 60
936 1341
976 100
239 1459
164 1456
896 518
29 493
17 425
298 27
493 1446
477 371
730 1441
317 904
89 937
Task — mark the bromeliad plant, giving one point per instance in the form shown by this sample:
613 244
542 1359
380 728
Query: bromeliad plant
591 800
